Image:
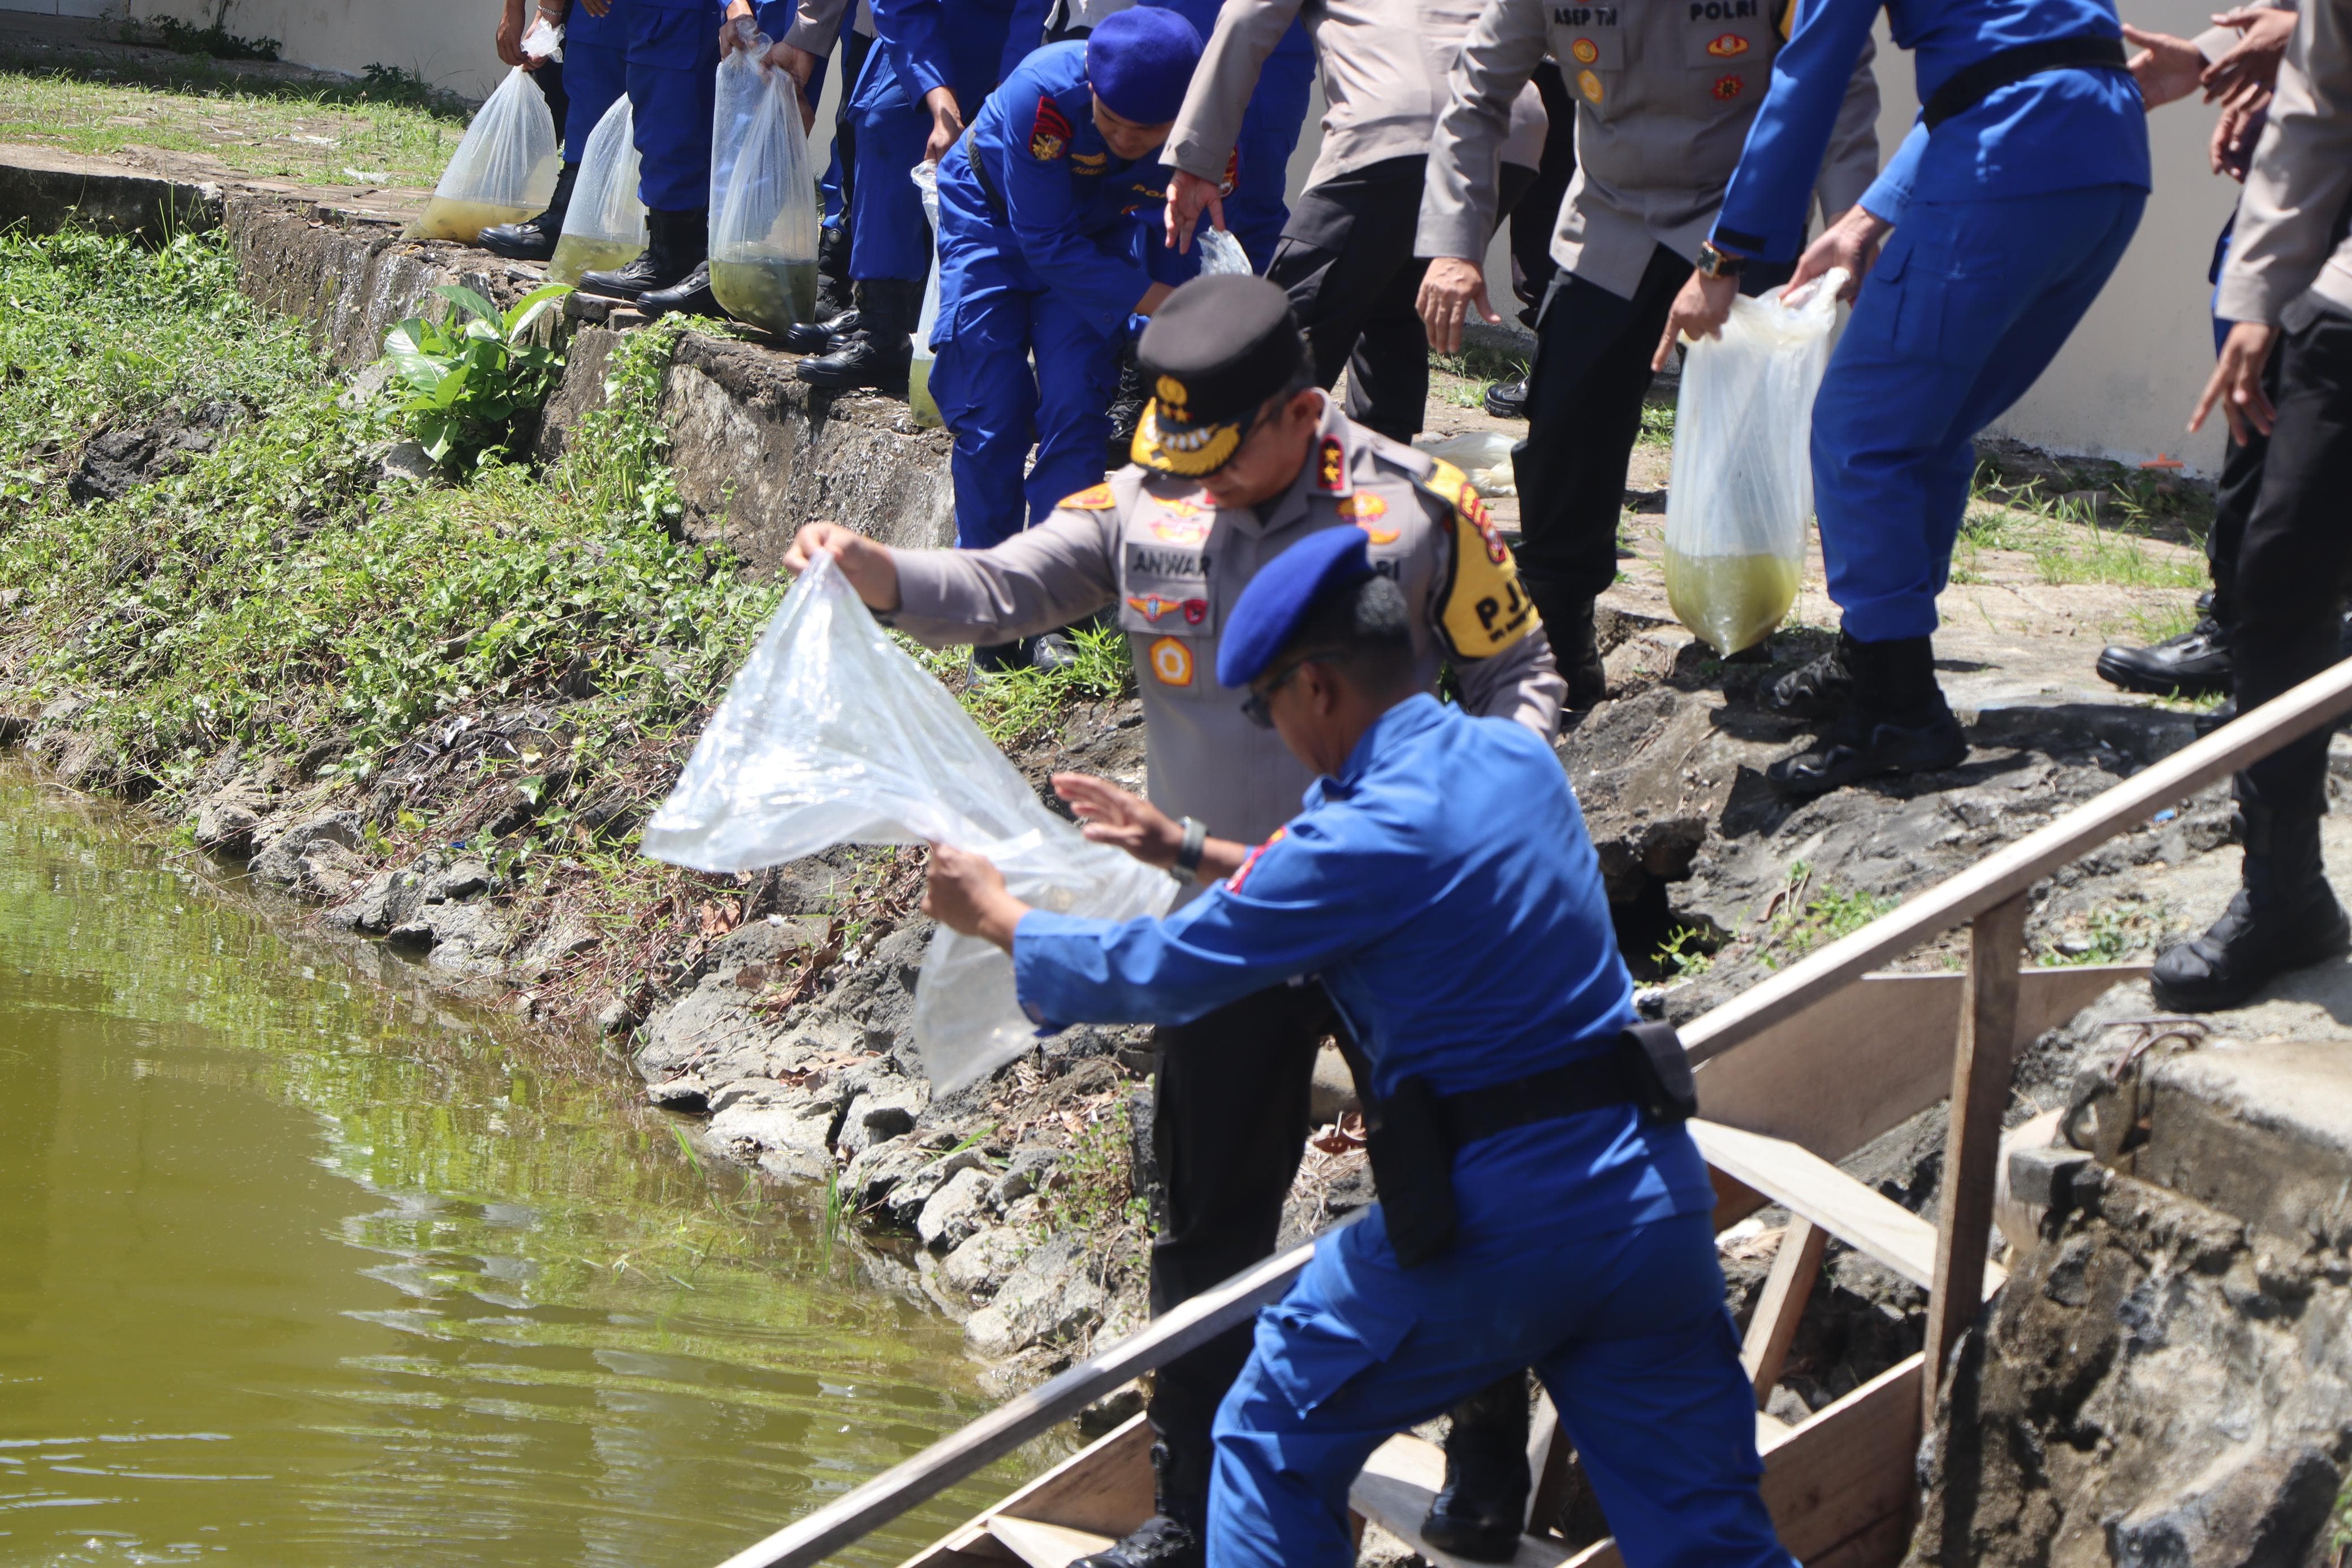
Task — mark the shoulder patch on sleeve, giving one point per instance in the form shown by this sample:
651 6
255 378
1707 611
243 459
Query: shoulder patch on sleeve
1049 132
1249 862
1093 498
1479 608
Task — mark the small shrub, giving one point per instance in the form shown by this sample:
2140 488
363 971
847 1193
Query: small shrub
475 378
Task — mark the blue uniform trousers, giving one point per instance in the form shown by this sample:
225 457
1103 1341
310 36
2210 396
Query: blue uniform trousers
1967 308
1628 1332
887 236
595 72
993 399
673 92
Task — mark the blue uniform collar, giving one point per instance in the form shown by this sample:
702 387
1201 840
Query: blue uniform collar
1410 717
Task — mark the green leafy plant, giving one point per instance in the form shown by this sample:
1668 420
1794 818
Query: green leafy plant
1685 955
1804 918
473 377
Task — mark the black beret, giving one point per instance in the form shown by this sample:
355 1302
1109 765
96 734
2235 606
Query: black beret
1216 350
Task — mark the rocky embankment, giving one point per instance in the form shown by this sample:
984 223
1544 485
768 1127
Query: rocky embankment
774 1009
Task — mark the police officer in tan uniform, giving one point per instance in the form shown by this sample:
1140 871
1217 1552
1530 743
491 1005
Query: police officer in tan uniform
1665 96
1238 457
1347 256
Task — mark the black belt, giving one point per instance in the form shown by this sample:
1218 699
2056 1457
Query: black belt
1973 84
988 191
1624 1076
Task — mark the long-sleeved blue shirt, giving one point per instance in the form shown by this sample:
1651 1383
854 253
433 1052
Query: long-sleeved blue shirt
2057 131
1443 889
1055 199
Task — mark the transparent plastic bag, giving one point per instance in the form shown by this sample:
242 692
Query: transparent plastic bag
1743 478
544 39
605 224
742 85
831 734
1482 455
1221 252
502 173
918 374
763 240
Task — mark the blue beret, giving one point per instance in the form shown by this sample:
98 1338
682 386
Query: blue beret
1140 62
1280 596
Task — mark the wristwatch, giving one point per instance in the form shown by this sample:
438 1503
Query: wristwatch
1713 263
1187 868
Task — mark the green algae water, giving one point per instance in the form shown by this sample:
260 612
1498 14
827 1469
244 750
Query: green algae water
299 1268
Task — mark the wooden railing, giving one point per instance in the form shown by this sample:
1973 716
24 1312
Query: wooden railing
1990 897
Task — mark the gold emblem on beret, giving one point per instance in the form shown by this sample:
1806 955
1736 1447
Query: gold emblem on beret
1171 392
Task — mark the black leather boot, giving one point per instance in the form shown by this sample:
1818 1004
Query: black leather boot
676 244
2192 665
832 285
1174 1536
2284 917
1576 645
533 239
1507 400
878 352
689 295
1899 723
1483 1507
828 332
1821 688
1127 405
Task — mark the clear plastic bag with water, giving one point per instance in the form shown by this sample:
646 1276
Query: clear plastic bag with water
1742 489
742 87
919 373
763 237
1221 252
605 224
502 173
831 734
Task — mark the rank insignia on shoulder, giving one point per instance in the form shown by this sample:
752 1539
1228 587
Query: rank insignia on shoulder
1249 862
1590 86
1331 464
1171 660
1093 498
1728 47
1730 87
1049 134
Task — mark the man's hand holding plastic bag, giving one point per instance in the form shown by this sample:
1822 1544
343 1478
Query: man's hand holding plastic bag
830 735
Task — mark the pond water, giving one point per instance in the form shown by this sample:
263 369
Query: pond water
300 1269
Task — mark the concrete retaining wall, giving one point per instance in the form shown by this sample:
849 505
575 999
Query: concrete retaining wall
756 453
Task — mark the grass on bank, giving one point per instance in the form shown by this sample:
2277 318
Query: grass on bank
387 128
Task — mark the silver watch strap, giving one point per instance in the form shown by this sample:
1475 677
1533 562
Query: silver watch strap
1188 857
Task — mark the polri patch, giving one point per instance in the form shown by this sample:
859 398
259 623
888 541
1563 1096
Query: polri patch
1049 134
1172 660
1728 47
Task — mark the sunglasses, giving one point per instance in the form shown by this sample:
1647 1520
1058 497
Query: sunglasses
1253 705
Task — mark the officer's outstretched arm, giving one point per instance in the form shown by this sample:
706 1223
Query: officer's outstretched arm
1059 571
1764 209
1210 120
1457 202
1482 616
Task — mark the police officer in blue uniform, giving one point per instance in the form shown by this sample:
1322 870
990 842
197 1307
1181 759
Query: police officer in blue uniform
673 84
587 81
1041 214
2011 202
932 64
1540 1201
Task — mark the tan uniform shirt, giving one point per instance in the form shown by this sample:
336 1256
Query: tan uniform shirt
1383 65
2291 255
1174 562
1665 96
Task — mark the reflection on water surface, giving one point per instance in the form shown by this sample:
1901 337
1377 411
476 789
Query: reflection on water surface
298 1269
